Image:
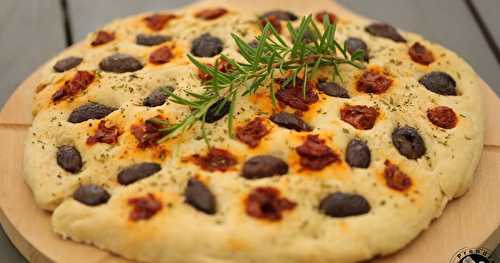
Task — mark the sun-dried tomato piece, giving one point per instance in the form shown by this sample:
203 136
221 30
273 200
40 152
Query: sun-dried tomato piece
273 20
252 132
359 116
157 22
147 134
203 75
104 134
267 203
295 97
210 14
331 16
443 117
421 54
395 178
161 55
315 155
79 82
103 37
222 66
144 207
373 81
215 160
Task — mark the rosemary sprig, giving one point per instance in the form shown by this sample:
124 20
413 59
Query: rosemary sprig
309 51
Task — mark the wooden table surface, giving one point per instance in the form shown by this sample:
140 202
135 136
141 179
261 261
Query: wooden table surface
32 31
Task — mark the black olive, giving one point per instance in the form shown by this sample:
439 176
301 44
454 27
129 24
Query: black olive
120 63
69 159
91 195
206 46
264 166
343 205
67 64
408 142
440 83
151 40
217 111
385 31
200 197
280 15
290 121
89 111
333 89
354 44
253 44
308 37
358 154
137 172
157 97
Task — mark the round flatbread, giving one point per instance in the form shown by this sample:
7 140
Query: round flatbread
349 170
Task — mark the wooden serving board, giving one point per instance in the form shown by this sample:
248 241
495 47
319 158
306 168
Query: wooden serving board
470 221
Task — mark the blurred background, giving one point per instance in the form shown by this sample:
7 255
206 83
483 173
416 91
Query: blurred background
32 31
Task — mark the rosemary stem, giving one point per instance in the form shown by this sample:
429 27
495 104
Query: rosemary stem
300 60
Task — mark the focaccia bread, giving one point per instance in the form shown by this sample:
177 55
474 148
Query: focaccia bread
353 169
